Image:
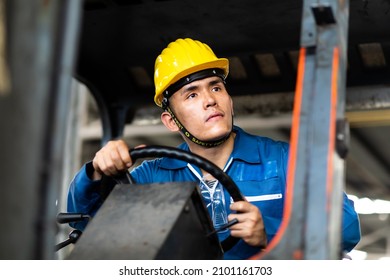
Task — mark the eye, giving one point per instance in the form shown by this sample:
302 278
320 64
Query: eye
217 86
216 89
191 95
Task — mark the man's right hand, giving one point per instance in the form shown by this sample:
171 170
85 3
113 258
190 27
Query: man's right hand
112 159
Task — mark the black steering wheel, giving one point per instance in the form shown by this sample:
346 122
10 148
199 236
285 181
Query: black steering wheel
221 176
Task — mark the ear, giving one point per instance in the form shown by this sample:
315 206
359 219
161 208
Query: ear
169 122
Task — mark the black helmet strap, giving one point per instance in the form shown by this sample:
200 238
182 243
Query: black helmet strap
206 144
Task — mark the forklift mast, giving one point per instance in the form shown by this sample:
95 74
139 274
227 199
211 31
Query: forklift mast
315 181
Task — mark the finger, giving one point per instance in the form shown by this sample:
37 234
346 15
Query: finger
254 238
103 162
123 151
242 219
240 230
115 157
107 166
249 230
247 219
99 163
242 206
140 146
115 162
96 166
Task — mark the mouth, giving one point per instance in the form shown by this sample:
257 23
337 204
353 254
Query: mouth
214 116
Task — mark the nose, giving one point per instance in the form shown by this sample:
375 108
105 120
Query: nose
210 99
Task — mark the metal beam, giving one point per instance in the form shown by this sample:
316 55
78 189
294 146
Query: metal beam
311 226
41 46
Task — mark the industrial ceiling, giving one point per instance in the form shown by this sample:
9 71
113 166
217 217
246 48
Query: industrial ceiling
120 39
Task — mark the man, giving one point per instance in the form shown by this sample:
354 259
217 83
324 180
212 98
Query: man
190 88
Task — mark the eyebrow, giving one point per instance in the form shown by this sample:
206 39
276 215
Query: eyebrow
213 82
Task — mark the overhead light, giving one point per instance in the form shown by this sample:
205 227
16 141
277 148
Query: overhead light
267 64
366 205
372 55
368 117
236 69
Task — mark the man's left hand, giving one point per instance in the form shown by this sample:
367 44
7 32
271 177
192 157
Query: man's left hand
250 226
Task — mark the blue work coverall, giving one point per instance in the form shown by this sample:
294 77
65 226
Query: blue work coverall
258 166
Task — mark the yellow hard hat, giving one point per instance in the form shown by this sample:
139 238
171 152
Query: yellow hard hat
181 58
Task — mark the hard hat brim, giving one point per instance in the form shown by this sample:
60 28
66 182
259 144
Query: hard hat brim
222 63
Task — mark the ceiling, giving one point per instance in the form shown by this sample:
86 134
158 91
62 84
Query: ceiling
120 39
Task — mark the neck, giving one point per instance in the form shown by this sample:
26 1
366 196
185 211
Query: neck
218 155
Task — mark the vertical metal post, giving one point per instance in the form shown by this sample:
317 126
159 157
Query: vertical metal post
311 228
41 48
67 24
77 118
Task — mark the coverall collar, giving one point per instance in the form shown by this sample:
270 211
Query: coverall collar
245 149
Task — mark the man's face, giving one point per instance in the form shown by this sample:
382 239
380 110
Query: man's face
205 108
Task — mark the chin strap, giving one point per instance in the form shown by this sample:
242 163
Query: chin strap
207 144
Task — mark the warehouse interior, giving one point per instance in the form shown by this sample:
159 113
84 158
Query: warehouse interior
105 53
261 40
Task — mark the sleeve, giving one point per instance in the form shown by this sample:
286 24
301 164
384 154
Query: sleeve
351 225
271 225
83 195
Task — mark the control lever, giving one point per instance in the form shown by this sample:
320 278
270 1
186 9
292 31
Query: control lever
73 237
65 218
225 226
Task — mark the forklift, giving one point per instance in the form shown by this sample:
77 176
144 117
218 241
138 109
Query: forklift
49 33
